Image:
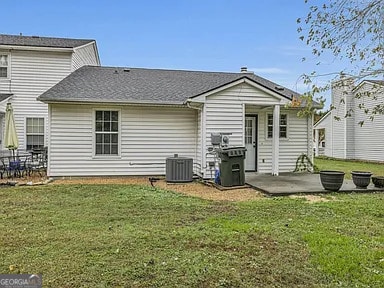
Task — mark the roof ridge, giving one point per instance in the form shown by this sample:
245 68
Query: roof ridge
118 83
171 70
46 37
42 41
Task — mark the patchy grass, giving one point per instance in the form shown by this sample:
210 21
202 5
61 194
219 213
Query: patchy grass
136 236
348 166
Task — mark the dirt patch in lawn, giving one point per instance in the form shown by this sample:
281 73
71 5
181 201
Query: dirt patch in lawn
314 198
196 188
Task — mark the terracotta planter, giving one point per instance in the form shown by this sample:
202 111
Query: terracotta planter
378 181
332 180
361 179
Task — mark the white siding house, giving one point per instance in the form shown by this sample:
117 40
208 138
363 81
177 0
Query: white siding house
32 65
128 121
156 133
345 137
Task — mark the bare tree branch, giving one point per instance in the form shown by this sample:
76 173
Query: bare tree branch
348 29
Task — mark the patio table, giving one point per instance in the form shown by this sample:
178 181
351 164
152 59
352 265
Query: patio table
14 165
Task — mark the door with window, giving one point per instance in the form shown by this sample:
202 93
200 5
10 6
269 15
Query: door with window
251 143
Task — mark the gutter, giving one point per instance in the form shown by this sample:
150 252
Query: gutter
36 48
188 103
104 103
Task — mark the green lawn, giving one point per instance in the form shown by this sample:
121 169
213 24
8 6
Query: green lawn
133 236
348 166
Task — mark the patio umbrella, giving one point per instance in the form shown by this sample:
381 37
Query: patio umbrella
10 140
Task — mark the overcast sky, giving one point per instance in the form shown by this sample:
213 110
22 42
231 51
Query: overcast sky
208 35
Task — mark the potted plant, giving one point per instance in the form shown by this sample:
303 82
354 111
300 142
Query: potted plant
332 180
378 181
361 179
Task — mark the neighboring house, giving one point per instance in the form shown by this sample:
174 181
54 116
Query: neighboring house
28 67
127 121
345 137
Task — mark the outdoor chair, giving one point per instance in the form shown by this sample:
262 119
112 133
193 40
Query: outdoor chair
2 169
13 166
36 162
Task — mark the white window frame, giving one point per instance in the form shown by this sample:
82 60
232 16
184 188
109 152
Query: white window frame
8 65
94 132
31 134
267 126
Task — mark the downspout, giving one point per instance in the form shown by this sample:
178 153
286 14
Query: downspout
188 103
49 120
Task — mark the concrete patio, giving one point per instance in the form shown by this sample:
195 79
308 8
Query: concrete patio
297 183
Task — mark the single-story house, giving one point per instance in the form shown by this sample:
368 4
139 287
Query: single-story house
349 131
127 121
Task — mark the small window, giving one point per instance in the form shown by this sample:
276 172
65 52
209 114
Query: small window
35 133
248 131
107 132
283 125
4 66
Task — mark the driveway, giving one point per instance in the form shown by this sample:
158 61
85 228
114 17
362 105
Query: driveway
296 183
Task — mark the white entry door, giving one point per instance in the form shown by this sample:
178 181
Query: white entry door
250 143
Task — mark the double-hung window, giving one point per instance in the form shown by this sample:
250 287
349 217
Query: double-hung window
107 132
283 125
4 66
35 133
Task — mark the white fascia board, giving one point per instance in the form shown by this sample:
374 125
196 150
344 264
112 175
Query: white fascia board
361 84
202 97
94 45
366 82
322 119
266 90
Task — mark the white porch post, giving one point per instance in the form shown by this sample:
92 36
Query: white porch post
275 140
316 142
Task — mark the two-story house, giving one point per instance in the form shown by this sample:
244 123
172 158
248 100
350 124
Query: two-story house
30 65
350 131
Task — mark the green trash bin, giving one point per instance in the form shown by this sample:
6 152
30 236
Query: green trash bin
232 171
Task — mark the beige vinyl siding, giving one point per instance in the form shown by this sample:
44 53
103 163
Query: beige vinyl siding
225 114
343 130
310 147
290 148
198 163
222 118
338 126
369 137
148 136
34 72
85 55
350 126
326 124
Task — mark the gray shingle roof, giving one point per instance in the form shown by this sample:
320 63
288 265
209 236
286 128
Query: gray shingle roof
378 82
4 96
138 85
38 41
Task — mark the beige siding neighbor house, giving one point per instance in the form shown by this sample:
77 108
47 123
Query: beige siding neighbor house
345 137
28 67
127 121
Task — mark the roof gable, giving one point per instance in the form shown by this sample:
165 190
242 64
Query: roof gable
375 83
322 120
139 85
37 41
244 80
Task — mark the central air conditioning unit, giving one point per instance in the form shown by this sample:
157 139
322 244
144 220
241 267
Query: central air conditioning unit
179 169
